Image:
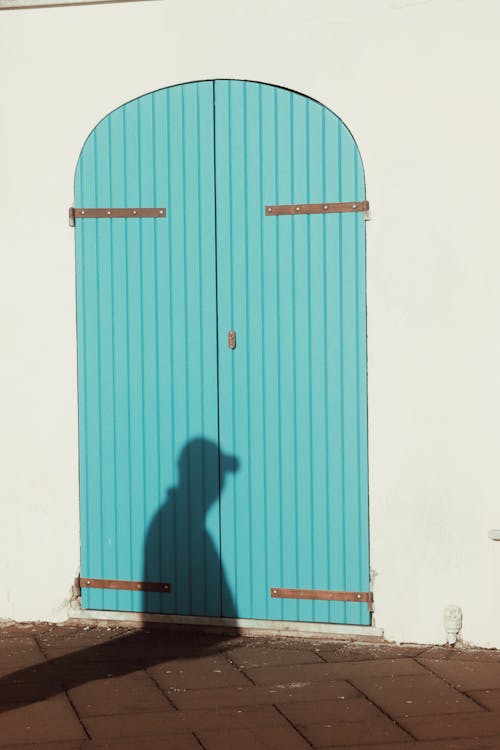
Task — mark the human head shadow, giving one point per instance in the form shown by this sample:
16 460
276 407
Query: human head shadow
202 469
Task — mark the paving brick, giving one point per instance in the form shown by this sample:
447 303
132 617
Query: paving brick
72 675
328 711
148 648
69 745
46 680
36 673
206 672
262 695
218 697
38 722
333 734
29 692
163 724
83 653
67 672
144 725
248 656
477 743
367 651
467 674
320 672
233 718
297 692
445 653
132 693
268 738
180 741
455 726
408 744
87 636
13 647
18 653
474 743
15 629
414 695
94 644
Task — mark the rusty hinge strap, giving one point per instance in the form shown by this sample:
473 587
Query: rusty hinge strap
318 208
116 213
330 596
106 583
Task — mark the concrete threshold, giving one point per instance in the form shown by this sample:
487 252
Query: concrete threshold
231 625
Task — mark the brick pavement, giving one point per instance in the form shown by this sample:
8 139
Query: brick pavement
76 687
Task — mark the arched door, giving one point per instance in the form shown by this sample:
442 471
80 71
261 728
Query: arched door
222 357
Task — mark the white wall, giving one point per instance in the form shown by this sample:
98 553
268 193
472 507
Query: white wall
417 83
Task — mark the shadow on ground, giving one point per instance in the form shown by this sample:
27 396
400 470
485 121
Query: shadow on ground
106 688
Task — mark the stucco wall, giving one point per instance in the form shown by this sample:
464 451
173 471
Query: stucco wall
416 82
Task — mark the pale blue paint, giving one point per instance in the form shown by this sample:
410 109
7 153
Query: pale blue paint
288 504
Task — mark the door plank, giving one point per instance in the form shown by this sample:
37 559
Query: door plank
293 393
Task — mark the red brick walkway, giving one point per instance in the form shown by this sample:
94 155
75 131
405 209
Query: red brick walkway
75 687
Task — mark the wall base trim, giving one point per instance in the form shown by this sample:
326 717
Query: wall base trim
241 625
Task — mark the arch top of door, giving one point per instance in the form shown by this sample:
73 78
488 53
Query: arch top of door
132 109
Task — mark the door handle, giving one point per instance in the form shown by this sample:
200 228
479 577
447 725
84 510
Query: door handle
231 339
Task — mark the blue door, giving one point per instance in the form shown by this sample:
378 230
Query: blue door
222 358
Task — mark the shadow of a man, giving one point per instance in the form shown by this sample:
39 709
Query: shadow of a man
182 545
